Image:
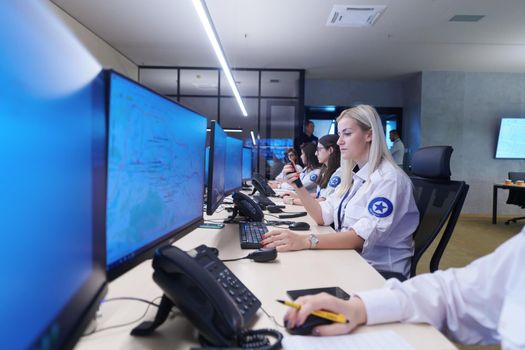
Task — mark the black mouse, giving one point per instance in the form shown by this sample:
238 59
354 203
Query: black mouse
299 226
309 324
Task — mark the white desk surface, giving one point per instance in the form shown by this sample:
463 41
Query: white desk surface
268 281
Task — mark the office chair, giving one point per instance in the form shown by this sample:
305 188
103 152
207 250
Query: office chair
438 199
516 197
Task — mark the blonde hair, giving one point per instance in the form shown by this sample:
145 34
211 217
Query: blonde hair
366 118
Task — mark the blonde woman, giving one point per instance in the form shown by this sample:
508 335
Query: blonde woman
373 210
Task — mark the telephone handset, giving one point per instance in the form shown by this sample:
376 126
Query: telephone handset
260 184
247 207
205 291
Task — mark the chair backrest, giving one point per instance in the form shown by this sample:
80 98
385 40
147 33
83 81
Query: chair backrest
516 197
438 199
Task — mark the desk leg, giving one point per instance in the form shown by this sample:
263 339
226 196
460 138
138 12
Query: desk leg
494 205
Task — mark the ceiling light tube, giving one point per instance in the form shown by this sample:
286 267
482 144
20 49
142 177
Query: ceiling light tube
204 16
253 138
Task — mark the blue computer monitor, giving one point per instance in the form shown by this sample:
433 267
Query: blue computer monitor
216 168
511 143
233 179
155 171
247 163
52 209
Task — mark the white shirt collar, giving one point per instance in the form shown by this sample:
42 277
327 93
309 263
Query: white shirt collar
363 173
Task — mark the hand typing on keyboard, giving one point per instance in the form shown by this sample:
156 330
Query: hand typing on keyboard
285 240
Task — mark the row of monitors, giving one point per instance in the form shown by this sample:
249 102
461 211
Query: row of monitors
92 182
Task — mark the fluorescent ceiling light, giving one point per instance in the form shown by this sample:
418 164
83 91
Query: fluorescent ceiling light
228 130
253 138
204 16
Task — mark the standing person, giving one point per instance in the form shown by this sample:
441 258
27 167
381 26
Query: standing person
373 210
481 303
306 137
398 149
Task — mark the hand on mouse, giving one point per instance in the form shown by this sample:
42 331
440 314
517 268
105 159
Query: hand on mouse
353 309
285 240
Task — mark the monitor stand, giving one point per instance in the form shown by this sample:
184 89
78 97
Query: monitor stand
147 327
234 219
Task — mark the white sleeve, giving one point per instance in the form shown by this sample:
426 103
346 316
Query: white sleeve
370 227
464 303
328 208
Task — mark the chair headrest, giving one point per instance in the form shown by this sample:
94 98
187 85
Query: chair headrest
432 162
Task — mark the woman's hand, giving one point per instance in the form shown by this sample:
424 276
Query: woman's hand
285 240
291 175
353 309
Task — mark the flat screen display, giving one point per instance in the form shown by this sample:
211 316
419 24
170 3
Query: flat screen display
155 172
511 139
233 173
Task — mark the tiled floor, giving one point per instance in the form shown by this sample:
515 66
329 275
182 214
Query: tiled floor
472 238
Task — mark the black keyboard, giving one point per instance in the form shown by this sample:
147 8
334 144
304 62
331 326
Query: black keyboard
263 201
251 233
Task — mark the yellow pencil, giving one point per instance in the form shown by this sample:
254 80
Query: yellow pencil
339 318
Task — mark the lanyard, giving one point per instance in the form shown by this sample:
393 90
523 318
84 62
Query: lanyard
341 212
339 217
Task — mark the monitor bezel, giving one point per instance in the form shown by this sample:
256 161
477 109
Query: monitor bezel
76 314
211 207
117 269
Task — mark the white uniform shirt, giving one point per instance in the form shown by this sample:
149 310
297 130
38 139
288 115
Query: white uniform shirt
482 303
307 177
282 175
334 181
398 151
382 211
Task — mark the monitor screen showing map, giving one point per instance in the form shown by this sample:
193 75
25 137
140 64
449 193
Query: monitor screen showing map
156 163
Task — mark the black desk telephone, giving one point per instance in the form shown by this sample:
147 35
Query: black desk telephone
260 184
207 293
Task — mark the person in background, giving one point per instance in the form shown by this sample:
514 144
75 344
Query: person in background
398 149
373 210
329 156
306 137
310 172
291 154
481 303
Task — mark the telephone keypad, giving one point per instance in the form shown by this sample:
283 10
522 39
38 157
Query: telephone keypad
246 302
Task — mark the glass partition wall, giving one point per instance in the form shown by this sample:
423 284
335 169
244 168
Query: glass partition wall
274 99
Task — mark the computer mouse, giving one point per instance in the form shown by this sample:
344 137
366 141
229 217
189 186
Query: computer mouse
299 226
309 324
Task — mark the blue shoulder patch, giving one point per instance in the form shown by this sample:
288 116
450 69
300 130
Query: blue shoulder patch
313 177
334 181
380 207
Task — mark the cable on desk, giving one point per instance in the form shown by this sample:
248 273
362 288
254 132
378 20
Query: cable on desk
133 299
150 303
271 317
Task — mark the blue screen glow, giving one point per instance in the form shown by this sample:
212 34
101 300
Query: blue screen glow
247 163
511 140
155 169
233 177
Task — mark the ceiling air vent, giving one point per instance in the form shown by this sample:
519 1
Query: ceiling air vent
354 15
466 18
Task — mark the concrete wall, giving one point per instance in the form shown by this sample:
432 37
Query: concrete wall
464 110
106 55
411 115
350 92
